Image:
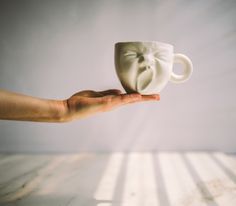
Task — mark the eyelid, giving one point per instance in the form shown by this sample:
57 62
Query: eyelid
161 55
130 53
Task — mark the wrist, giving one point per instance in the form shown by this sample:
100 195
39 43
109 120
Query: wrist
60 110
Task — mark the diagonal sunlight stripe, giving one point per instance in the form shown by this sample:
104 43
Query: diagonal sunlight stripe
11 158
177 180
34 183
140 186
180 187
55 181
226 164
214 166
106 187
161 187
190 192
201 175
170 176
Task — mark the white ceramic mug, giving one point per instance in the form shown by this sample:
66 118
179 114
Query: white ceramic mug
146 67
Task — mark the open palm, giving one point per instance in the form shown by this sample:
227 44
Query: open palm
88 102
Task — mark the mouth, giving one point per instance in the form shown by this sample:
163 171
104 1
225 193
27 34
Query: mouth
144 77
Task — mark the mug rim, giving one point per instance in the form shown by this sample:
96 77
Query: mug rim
151 42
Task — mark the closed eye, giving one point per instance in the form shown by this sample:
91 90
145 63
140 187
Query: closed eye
130 54
161 56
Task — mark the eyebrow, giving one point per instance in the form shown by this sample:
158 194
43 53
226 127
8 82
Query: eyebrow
130 48
137 49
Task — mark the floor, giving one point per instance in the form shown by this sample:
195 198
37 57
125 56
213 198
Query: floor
119 179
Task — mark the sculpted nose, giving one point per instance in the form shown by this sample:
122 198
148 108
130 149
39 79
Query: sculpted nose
147 59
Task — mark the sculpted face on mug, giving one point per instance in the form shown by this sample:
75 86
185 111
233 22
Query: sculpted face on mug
144 66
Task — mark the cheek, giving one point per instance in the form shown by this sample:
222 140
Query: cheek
128 64
163 68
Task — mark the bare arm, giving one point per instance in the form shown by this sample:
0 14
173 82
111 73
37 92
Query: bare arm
15 106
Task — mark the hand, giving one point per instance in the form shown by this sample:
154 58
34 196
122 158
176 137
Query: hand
88 102
15 106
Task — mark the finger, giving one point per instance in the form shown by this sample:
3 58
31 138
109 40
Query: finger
144 98
151 97
88 93
91 93
135 97
124 99
110 92
112 101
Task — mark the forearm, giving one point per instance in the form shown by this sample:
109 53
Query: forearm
21 107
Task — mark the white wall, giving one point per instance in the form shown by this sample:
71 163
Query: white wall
52 49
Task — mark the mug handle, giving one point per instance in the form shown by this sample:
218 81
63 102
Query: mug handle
188 69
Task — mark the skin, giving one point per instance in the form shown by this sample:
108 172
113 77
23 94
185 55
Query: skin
83 104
